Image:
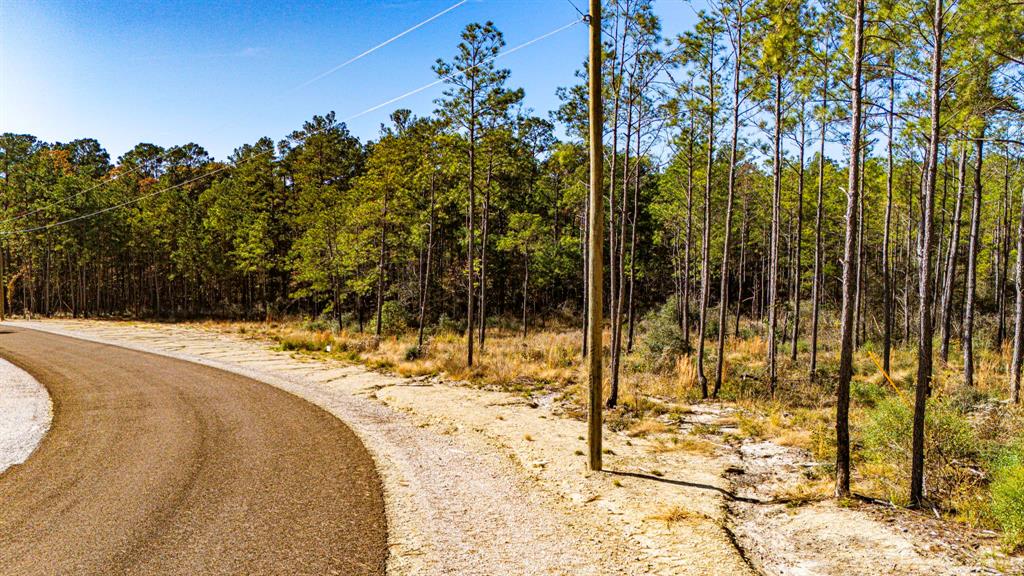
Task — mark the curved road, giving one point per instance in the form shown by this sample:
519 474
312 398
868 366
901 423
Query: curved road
158 466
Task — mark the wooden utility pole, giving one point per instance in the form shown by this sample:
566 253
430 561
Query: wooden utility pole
595 275
3 285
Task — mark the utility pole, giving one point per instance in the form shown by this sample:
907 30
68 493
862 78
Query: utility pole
595 275
3 285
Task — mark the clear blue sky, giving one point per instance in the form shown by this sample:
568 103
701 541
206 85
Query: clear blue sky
224 73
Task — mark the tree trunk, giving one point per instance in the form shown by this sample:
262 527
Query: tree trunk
425 284
632 233
705 280
1018 315
526 281
954 247
972 266
620 276
819 212
858 311
470 256
941 237
908 269
924 355
381 262
485 225
773 265
799 230
743 266
887 290
849 266
613 240
1004 252
689 233
723 288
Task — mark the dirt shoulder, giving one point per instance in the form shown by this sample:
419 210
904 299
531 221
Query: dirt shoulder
484 482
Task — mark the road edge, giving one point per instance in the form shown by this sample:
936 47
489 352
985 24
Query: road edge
391 481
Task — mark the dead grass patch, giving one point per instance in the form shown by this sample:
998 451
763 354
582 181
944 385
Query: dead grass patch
807 491
675 514
796 438
686 443
647 427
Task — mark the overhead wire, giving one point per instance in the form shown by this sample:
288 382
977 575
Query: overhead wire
454 74
305 137
153 161
378 46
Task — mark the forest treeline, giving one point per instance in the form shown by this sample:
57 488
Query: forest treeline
799 163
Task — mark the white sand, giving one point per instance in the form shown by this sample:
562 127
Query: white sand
25 414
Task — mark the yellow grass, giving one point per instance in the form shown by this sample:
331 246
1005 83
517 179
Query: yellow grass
673 514
685 443
647 427
808 491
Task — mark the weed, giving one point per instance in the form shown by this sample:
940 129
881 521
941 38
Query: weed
673 514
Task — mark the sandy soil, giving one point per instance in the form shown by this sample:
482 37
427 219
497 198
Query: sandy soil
25 414
822 537
481 482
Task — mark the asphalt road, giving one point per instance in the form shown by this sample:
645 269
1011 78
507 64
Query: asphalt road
158 466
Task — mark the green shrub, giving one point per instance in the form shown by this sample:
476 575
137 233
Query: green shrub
967 398
446 324
867 393
663 340
1008 505
325 323
393 319
951 447
1007 491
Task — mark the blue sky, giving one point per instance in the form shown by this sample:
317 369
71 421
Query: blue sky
224 73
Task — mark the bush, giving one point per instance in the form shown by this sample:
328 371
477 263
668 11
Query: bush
867 393
325 323
1007 490
446 325
663 340
951 447
393 318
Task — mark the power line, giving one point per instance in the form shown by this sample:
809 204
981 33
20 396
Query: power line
225 166
454 74
381 45
574 7
153 161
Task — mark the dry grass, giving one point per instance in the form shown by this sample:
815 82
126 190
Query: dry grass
655 393
686 376
796 438
675 514
544 360
647 427
686 443
808 491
